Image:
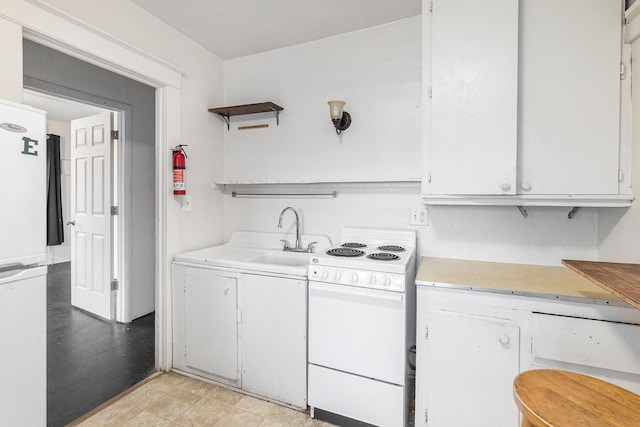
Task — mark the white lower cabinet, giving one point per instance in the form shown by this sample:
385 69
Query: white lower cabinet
471 345
245 330
205 323
274 337
210 327
481 387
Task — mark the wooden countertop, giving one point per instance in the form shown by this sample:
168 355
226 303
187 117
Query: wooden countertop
622 280
515 279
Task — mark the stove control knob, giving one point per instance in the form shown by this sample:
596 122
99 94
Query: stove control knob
325 274
354 278
373 279
337 275
386 281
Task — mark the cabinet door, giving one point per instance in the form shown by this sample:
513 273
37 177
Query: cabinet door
474 76
569 96
274 337
471 363
210 325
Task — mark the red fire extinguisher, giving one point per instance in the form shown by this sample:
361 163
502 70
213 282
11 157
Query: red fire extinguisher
179 165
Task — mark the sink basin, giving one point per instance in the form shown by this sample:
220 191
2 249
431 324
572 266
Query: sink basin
283 258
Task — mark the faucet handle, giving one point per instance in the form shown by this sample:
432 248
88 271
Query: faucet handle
311 246
285 244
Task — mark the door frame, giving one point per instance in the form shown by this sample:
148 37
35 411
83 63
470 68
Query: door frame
119 223
53 28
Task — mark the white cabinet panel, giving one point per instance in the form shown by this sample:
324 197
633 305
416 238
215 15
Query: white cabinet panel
569 96
524 102
608 350
274 337
474 96
473 360
210 323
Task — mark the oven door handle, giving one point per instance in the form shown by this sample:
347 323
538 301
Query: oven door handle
348 290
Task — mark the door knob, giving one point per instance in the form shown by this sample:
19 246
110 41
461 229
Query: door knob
504 340
71 222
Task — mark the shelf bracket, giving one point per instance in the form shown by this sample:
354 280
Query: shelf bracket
277 113
523 211
573 212
226 120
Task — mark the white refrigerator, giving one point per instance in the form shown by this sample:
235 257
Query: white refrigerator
23 282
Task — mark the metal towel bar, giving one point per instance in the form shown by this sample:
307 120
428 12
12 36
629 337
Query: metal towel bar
331 195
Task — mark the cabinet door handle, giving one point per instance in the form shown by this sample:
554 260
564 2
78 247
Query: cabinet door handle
506 187
526 186
504 340
226 290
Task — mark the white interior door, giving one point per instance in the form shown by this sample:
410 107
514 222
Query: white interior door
90 214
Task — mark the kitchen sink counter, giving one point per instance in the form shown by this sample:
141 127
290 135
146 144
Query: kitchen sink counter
516 279
256 251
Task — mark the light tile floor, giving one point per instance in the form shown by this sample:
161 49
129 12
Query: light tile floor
174 400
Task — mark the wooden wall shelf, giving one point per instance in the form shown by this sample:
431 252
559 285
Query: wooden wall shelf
238 110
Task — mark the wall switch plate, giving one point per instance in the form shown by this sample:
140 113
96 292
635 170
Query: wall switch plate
186 203
419 217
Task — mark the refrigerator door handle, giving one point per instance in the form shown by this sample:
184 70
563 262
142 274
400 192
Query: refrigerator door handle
73 222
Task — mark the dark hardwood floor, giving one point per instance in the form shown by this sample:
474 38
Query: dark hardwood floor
89 360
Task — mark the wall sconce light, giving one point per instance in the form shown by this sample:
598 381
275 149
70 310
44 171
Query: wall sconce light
340 118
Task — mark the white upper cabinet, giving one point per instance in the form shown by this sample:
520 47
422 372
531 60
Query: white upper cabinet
474 96
522 102
569 96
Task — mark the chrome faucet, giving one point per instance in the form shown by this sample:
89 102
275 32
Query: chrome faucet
298 246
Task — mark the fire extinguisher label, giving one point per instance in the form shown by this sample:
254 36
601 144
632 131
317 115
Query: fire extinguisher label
178 179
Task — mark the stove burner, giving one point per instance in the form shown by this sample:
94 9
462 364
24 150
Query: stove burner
383 256
391 248
345 252
353 245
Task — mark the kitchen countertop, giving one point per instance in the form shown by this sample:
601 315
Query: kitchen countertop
513 279
622 280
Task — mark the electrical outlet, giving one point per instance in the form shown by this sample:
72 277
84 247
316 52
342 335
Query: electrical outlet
186 203
419 217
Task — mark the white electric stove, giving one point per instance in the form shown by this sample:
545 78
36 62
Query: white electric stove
362 327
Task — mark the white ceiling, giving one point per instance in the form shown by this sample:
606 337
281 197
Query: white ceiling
234 28
59 109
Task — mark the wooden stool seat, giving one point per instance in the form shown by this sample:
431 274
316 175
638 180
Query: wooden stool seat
549 397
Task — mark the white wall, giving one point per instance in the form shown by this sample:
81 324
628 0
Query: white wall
376 71
10 71
305 147
62 253
499 234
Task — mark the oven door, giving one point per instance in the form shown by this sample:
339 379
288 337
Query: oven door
358 330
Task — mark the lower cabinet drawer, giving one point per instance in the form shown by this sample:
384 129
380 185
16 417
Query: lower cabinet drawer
594 343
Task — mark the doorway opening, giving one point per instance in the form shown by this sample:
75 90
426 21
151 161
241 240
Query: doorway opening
92 355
